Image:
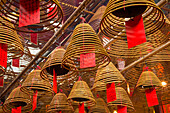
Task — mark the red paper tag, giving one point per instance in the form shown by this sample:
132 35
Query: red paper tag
52 11
121 109
151 97
87 60
135 31
16 110
54 81
29 12
1 81
34 38
111 93
3 55
81 108
131 91
60 111
34 104
15 62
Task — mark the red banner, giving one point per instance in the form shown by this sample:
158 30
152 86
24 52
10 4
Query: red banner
3 55
81 108
15 62
34 38
87 60
54 82
111 92
29 12
1 81
135 31
151 97
16 110
121 109
34 104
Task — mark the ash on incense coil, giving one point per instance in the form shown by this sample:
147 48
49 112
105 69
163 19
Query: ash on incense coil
84 40
34 82
10 10
17 98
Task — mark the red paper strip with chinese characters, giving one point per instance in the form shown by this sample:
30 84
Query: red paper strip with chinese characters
1 81
3 55
34 38
16 110
87 60
121 109
151 97
15 62
111 92
34 104
135 31
29 12
81 108
54 82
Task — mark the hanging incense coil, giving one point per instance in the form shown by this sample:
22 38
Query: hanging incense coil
100 107
148 80
113 26
81 93
10 37
34 82
17 98
109 74
99 86
54 62
10 10
122 99
59 103
84 40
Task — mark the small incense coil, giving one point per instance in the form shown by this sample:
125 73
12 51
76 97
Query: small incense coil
122 99
100 107
34 82
113 26
59 103
10 37
109 74
12 16
17 98
84 40
148 80
81 93
54 62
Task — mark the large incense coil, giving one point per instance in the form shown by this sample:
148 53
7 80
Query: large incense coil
34 82
59 103
122 99
10 37
100 107
114 27
109 74
147 80
84 40
81 93
99 86
17 98
11 14
54 62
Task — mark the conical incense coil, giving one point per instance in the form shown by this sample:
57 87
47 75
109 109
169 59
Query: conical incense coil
46 23
147 80
10 37
54 62
100 107
59 103
34 82
109 74
113 26
84 40
99 86
81 92
122 99
17 98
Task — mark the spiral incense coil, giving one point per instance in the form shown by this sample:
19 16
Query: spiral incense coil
99 86
10 10
10 37
113 26
34 82
81 93
54 62
148 80
122 99
84 40
109 74
59 103
17 98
